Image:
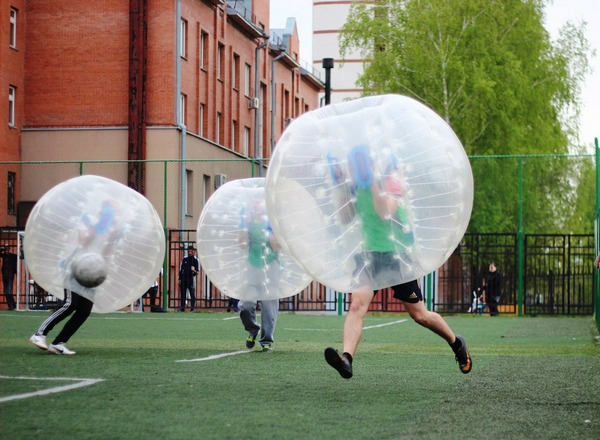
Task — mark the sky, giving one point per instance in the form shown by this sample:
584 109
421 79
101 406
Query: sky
559 12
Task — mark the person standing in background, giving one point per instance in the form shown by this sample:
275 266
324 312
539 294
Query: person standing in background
9 270
492 289
187 279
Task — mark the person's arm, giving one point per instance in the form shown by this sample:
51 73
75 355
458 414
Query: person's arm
597 261
181 268
273 242
275 245
384 203
195 266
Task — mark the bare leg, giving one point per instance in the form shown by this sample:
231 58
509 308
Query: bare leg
354 321
431 320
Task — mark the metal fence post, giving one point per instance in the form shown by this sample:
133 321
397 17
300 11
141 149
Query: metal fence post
520 244
596 296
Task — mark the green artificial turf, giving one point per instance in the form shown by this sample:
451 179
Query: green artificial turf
533 378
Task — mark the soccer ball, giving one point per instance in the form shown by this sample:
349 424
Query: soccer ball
90 270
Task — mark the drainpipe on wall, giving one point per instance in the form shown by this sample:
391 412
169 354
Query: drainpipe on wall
136 150
273 91
256 95
180 126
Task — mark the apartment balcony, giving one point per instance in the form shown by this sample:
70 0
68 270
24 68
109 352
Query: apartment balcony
216 2
244 18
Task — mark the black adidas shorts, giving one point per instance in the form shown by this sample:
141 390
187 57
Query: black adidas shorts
408 292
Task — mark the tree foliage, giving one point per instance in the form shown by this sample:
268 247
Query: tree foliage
490 69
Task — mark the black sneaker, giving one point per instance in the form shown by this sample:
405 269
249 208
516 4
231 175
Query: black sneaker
251 341
267 348
340 363
463 357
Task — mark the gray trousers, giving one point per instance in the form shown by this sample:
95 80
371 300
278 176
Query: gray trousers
268 319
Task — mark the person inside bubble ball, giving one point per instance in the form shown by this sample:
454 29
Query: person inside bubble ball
94 233
263 266
377 203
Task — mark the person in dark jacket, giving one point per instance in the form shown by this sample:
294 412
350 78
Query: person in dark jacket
9 270
492 289
187 279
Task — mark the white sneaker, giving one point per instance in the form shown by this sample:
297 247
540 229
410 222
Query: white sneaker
60 349
39 341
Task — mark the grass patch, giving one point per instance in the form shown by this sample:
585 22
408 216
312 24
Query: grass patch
532 378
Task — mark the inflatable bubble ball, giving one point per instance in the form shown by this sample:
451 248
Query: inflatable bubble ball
96 237
369 193
238 250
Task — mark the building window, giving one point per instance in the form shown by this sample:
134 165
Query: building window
234 134
247 78
218 129
246 141
220 60
201 115
183 38
235 71
189 192
13 28
10 193
203 49
205 189
12 96
286 104
182 109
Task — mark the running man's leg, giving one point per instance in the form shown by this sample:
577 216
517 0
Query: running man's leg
248 316
361 299
434 322
268 320
60 314
83 308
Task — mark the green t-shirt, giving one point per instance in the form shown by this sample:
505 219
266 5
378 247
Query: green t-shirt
382 235
260 252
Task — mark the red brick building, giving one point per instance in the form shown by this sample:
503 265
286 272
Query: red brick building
12 79
142 79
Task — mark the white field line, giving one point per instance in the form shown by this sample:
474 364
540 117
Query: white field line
79 383
339 330
149 318
313 329
215 356
387 323
36 315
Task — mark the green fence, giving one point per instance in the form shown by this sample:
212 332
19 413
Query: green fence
521 194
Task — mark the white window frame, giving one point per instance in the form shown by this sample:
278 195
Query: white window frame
189 193
203 49
235 71
12 104
201 117
13 27
246 141
247 79
183 38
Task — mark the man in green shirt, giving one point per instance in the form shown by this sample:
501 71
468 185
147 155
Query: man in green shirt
263 270
378 203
